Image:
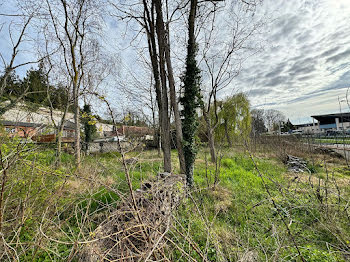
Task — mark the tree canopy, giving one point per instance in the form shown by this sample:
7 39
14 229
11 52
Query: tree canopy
234 118
36 88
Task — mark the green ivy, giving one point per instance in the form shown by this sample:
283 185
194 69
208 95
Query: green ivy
191 101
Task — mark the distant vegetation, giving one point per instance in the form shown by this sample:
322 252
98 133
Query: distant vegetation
38 90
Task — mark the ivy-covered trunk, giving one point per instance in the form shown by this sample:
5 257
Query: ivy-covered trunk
191 97
89 122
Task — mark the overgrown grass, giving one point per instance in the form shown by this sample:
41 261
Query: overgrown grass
242 217
260 211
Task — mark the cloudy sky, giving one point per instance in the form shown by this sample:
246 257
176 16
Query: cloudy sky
306 62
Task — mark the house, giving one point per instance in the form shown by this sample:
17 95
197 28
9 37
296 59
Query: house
21 129
31 121
38 132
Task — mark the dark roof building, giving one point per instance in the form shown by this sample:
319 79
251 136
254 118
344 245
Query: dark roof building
335 121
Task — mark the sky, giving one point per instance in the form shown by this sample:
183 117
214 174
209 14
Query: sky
304 67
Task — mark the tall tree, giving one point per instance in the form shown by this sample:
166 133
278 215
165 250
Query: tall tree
156 19
191 96
173 99
36 83
153 24
165 124
273 119
74 23
227 43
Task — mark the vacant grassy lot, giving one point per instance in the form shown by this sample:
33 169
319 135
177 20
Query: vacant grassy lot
245 208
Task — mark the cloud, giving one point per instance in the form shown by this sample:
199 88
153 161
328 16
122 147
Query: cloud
278 80
338 57
259 92
330 51
304 60
279 69
301 69
285 26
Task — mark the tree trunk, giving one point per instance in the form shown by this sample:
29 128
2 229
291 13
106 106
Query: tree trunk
59 145
174 105
166 140
59 149
159 143
152 49
190 99
4 82
228 138
76 125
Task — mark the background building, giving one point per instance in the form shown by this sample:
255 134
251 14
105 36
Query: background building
332 122
308 128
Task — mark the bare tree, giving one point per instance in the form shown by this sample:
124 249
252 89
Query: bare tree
152 22
139 93
73 23
227 42
156 25
273 119
166 140
173 96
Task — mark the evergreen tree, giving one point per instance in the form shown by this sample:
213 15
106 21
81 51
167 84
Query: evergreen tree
287 126
37 82
59 97
13 86
35 88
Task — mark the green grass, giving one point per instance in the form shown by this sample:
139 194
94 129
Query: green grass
239 212
330 141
